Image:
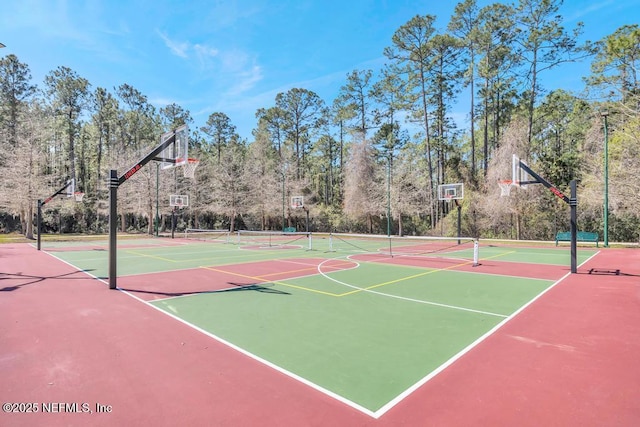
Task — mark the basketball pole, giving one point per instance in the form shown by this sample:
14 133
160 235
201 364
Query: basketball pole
173 221
39 221
571 201
459 207
114 183
157 219
113 227
606 180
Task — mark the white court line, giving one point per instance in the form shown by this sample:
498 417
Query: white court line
374 414
467 349
437 304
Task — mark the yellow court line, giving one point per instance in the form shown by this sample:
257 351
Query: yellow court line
413 277
401 279
129 251
499 255
310 268
271 281
314 268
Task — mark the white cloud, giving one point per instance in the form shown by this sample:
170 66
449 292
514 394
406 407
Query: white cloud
583 11
178 49
247 80
204 51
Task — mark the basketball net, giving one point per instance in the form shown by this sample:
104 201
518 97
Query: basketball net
189 168
79 196
505 187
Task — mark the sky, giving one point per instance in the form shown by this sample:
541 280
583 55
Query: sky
235 56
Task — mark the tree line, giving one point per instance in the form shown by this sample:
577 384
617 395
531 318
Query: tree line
379 149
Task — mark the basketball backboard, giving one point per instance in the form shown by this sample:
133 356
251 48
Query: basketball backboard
71 188
179 200
177 153
451 191
520 176
297 202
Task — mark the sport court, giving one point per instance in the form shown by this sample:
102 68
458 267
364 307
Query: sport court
357 318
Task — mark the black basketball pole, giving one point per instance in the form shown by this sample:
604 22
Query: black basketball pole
459 207
173 222
573 203
113 227
114 183
306 209
39 221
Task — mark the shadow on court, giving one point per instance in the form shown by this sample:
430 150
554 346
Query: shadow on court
31 279
266 288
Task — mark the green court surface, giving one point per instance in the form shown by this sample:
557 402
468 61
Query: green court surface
366 334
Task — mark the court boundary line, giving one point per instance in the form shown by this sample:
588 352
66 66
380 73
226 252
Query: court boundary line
229 344
470 347
261 360
369 289
385 408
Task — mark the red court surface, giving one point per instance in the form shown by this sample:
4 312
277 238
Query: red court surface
154 286
66 340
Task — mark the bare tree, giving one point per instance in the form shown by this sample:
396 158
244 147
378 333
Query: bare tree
364 188
261 176
504 213
23 183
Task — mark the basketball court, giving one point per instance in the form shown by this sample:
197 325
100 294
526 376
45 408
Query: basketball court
213 327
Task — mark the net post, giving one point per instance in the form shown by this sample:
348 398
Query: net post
476 253
310 243
330 242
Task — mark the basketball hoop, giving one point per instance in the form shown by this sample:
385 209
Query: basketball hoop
297 202
78 195
179 201
189 168
505 187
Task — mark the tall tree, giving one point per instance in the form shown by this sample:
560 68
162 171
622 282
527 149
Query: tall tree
272 121
105 108
23 183
174 116
220 131
304 115
543 44
340 115
464 26
410 52
355 95
389 96
495 65
15 90
616 68
230 190
560 132
442 86
138 122
261 174
325 167
364 188
69 95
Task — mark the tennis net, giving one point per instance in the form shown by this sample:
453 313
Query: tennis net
222 236
273 239
406 246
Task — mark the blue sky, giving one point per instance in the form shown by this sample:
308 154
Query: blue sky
235 56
